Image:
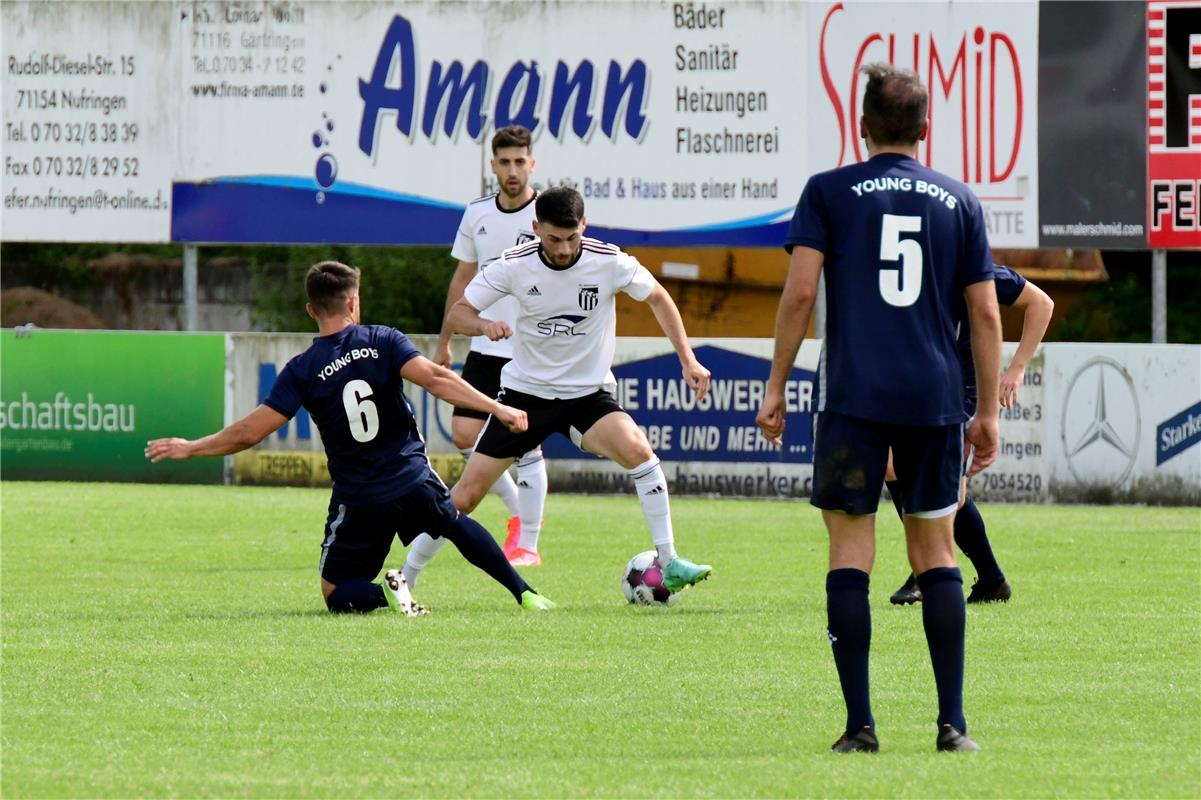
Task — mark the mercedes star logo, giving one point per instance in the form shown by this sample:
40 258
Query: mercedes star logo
1100 438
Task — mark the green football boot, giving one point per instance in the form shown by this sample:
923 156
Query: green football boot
532 601
681 573
396 592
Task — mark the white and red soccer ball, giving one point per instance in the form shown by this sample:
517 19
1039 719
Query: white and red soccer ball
642 583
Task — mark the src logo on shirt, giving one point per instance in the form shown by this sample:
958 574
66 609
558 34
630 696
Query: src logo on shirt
523 237
560 325
589 297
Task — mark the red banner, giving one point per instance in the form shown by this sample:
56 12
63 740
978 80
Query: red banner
1174 123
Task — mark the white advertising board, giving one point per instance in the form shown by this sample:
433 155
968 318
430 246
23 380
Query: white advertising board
1095 423
681 123
90 124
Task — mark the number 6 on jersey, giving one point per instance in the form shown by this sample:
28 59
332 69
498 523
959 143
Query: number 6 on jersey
361 413
900 287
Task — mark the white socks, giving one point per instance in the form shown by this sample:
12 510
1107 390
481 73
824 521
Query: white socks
651 485
504 488
531 497
424 548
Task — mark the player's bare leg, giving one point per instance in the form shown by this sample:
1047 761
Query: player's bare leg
464 432
478 476
849 622
616 437
931 545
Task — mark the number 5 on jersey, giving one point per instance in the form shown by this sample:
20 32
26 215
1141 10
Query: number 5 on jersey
361 413
900 286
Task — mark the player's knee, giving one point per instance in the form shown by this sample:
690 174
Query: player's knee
466 498
637 454
461 440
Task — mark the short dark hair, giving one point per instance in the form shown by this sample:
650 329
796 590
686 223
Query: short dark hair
511 136
560 206
329 284
895 104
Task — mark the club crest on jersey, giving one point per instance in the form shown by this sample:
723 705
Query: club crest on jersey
523 237
589 297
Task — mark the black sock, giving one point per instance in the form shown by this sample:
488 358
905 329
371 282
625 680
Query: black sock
943 618
356 596
849 626
973 541
894 491
480 549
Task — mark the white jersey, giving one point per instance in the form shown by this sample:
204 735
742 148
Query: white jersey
566 331
486 231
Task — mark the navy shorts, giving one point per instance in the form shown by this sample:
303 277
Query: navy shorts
358 536
850 456
572 418
482 372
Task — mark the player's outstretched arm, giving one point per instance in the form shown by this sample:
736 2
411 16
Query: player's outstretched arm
983 433
446 385
458 282
669 319
792 321
241 435
1036 306
465 318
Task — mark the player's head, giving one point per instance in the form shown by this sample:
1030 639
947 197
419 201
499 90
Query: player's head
560 223
512 160
333 291
895 105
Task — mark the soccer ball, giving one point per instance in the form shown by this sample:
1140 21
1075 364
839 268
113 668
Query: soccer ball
642 583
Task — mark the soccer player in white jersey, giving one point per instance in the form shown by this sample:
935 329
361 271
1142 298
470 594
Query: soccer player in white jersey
564 340
491 225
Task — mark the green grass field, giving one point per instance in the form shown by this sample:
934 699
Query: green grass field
171 641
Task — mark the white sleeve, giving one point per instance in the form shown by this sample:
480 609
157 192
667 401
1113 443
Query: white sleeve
490 284
633 278
464 246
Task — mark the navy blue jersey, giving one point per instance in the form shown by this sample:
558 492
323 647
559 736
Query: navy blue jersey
1009 287
350 383
900 242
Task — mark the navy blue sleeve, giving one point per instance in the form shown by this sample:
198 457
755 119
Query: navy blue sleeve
808 226
400 350
977 262
286 396
1009 284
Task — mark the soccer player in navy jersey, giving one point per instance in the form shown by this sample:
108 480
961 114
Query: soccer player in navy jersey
350 380
991 586
898 243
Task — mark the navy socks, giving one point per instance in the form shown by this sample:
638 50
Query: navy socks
849 626
973 541
943 612
356 596
481 550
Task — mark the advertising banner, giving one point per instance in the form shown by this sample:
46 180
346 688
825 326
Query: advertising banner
707 447
81 406
1097 423
1091 165
1174 123
89 127
1124 423
980 62
371 123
